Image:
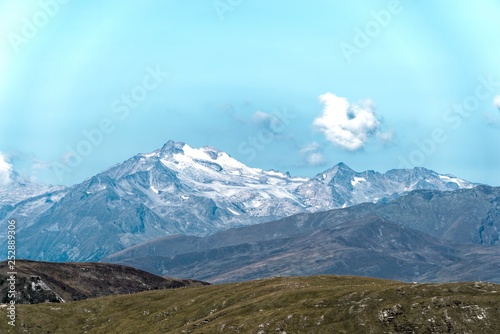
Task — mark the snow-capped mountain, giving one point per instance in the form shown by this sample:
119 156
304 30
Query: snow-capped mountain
21 188
25 200
178 175
193 191
340 186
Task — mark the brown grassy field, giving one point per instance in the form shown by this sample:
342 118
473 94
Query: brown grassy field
292 305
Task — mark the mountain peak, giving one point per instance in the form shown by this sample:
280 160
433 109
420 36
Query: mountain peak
212 151
340 168
178 147
423 171
173 147
343 166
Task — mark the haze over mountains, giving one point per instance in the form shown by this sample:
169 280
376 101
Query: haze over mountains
182 190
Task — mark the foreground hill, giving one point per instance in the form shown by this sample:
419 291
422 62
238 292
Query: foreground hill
38 282
322 304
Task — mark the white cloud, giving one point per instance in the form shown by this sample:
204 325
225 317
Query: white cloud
346 125
268 121
275 123
312 154
261 117
5 171
40 165
496 101
385 137
316 159
492 119
309 148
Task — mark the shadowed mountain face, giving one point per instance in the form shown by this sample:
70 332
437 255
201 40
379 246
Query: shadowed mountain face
183 190
422 236
38 282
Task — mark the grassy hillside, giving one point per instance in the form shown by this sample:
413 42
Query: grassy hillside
320 304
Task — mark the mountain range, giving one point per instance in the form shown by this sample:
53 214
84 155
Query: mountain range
180 190
425 235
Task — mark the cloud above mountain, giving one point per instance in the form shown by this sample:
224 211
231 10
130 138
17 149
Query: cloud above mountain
496 102
313 154
276 122
5 170
493 118
344 124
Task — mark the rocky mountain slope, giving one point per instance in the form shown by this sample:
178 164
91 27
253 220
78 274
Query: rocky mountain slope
27 199
21 188
320 304
39 282
424 235
182 190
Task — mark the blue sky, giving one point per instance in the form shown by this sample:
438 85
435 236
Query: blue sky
291 85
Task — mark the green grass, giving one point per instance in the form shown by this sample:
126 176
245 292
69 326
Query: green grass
319 304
